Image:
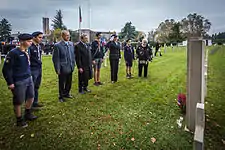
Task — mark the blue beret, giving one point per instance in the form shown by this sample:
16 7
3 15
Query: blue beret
35 34
25 36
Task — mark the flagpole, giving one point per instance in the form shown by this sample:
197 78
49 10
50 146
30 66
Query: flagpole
80 19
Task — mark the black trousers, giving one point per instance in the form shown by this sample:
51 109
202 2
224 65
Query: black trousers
83 80
156 51
114 66
65 82
140 68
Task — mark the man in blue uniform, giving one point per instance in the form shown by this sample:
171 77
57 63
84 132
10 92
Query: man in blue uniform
16 71
35 52
128 57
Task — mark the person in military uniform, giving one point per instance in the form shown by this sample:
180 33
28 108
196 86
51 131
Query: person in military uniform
35 52
97 58
144 55
128 57
114 56
16 71
84 64
64 61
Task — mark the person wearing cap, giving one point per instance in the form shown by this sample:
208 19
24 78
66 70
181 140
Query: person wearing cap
128 57
16 71
97 58
114 56
64 61
144 55
35 52
84 64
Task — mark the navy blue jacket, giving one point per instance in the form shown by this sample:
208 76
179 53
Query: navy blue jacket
96 50
35 56
128 53
16 66
114 50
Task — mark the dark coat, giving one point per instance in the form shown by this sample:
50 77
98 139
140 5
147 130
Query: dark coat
128 53
84 57
35 52
97 50
144 53
114 50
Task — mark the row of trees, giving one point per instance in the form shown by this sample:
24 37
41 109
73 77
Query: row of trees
171 31
219 38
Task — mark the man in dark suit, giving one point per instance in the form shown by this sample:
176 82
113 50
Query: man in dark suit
84 64
64 62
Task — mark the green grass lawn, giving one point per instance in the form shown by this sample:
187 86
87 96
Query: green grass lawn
215 101
125 115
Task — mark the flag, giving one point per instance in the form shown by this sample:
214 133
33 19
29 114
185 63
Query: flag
80 17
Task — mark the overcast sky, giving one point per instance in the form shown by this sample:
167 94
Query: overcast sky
109 15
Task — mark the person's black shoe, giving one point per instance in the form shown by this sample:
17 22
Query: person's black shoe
87 90
61 100
100 83
96 84
29 116
68 96
130 75
21 123
37 106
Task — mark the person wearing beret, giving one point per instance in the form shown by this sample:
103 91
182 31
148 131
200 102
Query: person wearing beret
114 56
35 52
16 71
64 61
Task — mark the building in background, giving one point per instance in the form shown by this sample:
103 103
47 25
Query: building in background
91 34
45 22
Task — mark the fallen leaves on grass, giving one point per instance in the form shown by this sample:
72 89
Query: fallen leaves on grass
21 136
153 140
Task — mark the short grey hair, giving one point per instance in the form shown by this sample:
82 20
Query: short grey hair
64 31
144 40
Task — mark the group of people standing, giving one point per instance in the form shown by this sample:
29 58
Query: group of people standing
22 68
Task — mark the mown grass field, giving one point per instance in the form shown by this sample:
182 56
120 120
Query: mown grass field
127 115
215 100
